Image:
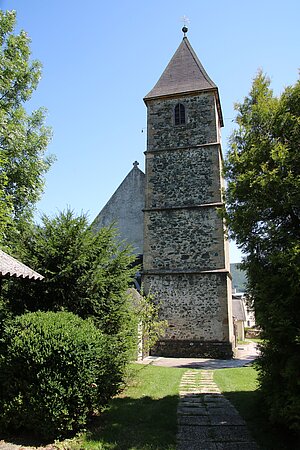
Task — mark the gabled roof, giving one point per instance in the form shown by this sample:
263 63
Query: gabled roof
125 210
183 75
11 267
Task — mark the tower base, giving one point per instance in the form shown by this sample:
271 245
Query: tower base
192 349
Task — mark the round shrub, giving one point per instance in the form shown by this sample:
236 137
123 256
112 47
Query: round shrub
56 369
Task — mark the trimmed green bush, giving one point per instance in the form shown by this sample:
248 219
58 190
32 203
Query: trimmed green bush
56 369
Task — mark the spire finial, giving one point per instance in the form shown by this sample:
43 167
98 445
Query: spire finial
185 21
135 164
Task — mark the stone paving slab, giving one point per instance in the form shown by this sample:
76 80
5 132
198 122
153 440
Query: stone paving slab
224 420
226 412
206 419
214 399
189 396
236 446
182 445
194 420
195 433
216 446
192 402
214 434
191 411
231 433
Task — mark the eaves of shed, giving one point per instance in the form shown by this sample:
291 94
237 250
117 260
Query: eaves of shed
11 267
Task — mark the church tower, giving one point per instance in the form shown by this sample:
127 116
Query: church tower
186 263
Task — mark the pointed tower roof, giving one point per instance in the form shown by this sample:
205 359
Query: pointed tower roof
183 75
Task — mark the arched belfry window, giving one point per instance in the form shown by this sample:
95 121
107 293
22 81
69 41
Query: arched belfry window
179 114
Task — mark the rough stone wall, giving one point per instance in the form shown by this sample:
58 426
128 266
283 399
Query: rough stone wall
199 129
182 177
194 304
183 239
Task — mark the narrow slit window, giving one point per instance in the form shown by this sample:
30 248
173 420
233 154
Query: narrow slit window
179 114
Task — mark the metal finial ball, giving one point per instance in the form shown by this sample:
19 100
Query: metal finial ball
185 30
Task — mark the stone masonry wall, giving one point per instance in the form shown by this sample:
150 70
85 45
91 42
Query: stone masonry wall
183 177
183 239
199 129
194 305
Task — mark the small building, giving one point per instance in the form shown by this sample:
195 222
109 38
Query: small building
239 287
239 317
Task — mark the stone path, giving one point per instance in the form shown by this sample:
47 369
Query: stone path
206 419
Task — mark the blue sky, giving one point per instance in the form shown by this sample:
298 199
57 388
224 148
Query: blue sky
101 58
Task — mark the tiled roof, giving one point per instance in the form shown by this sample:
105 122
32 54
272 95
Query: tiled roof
11 267
238 309
183 74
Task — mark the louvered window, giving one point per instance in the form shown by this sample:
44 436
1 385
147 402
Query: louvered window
179 114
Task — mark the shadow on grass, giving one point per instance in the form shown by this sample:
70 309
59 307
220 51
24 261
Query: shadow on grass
143 423
269 437
25 439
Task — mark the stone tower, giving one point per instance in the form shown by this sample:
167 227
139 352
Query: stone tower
186 263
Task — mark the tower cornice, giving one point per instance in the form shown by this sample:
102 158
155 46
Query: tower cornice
185 147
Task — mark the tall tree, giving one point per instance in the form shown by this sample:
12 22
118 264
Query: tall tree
23 137
85 273
263 214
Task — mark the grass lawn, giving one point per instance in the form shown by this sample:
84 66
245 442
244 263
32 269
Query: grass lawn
248 341
257 340
240 387
142 417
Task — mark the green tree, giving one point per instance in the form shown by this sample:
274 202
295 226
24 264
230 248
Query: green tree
23 137
85 273
5 200
263 215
